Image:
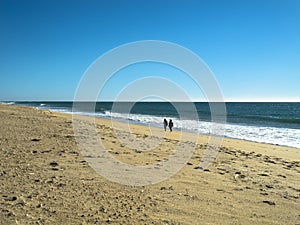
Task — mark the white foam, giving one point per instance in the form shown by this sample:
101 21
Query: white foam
60 110
7 103
270 135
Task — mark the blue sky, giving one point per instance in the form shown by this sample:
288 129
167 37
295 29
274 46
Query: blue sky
252 46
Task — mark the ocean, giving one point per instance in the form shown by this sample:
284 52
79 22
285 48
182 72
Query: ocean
272 123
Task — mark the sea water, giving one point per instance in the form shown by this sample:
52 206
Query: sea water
273 123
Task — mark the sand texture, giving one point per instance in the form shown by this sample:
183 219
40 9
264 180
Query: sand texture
46 180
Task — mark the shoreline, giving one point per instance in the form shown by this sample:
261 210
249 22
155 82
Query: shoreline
158 127
45 178
227 141
245 132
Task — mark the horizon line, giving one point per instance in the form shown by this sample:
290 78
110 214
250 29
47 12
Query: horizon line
226 101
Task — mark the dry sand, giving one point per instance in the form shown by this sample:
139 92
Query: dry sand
45 179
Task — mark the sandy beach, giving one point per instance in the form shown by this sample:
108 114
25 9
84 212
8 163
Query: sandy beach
46 180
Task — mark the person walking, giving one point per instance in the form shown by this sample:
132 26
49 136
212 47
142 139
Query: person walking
171 125
165 124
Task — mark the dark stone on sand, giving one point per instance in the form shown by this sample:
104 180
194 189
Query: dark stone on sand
263 174
201 168
49 181
188 163
53 164
102 209
264 193
270 161
198 168
69 136
12 198
269 202
238 189
239 174
6 212
35 139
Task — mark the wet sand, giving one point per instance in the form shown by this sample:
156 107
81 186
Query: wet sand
46 180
